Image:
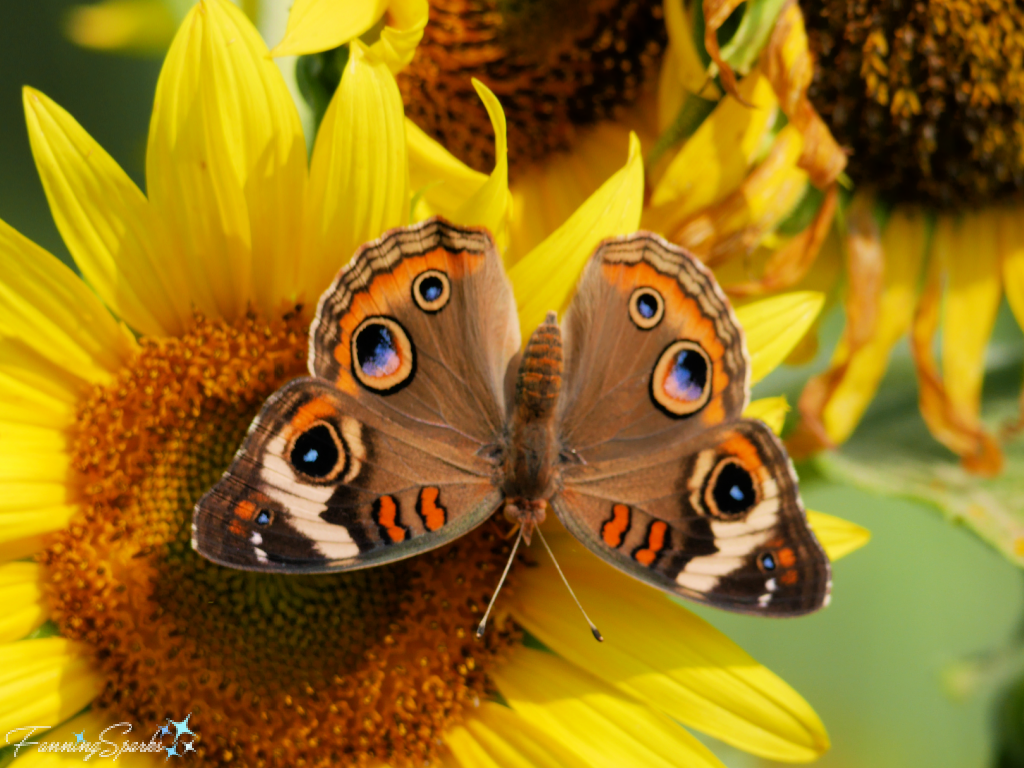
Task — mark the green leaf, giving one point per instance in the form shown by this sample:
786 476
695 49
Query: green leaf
745 46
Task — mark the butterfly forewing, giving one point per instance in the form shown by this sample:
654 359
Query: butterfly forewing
421 327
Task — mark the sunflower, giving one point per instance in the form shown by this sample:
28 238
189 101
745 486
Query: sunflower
125 394
742 108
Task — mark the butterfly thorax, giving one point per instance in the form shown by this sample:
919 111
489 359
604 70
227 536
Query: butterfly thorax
533 447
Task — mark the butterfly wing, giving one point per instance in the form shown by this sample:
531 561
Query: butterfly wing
653 351
322 483
717 519
670 483
420 327
409 352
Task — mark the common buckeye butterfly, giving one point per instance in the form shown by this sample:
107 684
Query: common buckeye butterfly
422 418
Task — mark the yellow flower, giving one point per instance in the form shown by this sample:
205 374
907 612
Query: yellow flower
124 394
747 180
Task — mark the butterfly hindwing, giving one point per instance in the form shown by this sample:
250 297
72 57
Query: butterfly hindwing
717 519
321 483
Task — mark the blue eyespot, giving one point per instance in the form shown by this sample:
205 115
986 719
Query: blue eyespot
766 561
315 452
688 376
431 290
733 492
263 517
376 351
646 306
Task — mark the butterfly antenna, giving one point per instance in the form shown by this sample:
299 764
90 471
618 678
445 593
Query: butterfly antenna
593 629
504 575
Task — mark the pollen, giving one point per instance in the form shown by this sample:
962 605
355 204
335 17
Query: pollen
345 669
555 66
927 95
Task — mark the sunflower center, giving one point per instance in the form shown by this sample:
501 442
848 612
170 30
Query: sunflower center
340 669
555 66
929 95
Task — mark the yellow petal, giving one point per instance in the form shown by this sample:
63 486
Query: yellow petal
44 682
970 252
490 205
16 549
122 25
1011 244
716 158
398 40
22 465
45 305
949 424
21 595
681 70
34 390
789 66
839 537
225 164
319 25
546 277
546 194
737 225
31 510
587 716
771 410
443 181
792 262
664 655
496 737
774 326
358 181
106 222
903 242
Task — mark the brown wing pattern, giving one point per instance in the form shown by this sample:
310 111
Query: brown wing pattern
420 326
653 352
717 519
322 483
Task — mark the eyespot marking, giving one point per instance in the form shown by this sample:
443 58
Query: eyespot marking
646 307
318 453
681 381
264 517
385 514
658 539
429 508
383 356
731 491
431 290
766 562
615 528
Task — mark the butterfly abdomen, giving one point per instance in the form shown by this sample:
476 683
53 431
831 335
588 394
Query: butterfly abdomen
533 448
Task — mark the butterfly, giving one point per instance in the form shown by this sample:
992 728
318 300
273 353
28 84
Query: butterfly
423 416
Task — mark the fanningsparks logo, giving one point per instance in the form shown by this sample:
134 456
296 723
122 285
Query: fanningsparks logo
112 741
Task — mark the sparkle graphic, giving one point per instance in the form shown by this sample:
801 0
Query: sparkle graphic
189 746
181 728
80 737
165 731
171 751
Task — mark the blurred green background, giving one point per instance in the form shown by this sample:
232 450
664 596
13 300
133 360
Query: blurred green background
923 603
